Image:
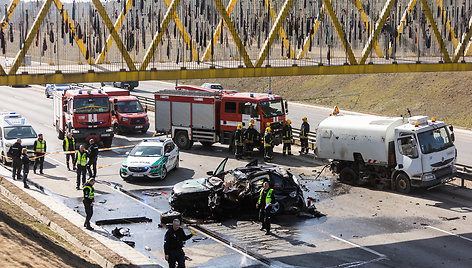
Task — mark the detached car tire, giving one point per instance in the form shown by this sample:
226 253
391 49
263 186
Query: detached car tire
169 216
402 183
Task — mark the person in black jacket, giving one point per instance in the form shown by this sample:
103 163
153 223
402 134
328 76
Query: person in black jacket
93 156
15 153
89 201
173 243
26 162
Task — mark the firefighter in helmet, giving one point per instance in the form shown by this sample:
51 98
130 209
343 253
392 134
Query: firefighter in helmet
268 151
239 142
250 137
287 138
305 129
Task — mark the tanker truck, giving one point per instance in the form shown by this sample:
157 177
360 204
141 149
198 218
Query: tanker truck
399 152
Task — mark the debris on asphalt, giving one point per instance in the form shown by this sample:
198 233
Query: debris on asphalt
199 239
130 243
149 193
147 248
123 221
120 232
102 201
449 219
169 216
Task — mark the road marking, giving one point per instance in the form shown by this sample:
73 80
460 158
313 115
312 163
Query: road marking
449 233
357 263
358 246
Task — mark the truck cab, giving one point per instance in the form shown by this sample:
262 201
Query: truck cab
12 127
425 152
128 115
85 113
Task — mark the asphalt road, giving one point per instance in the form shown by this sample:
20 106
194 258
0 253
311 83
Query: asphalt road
364 227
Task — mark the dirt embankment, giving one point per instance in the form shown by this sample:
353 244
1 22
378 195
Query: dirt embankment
28 243
444 96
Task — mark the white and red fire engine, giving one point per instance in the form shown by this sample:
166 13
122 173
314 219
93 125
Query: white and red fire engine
192 113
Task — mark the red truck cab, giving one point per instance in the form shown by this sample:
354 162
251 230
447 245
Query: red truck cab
128 115
85 113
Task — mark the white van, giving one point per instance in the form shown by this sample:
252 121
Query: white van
12 127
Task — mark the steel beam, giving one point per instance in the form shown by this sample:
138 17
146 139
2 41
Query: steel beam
103 14
339 31
449 28
273 32
70 23
465 39
282 34
402 24
367 25
234 33
30 37
158 36
308 39
10 10
22 79
378 27
437 34
219 30
118 24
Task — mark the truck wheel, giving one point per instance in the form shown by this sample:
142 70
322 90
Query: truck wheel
182 140
402 183
348 175
107 142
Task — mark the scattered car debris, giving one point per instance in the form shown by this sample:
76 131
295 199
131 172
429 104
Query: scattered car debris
149 193
199 239
147 248
449 219
130 243
169 216
120 232
102 201
123 221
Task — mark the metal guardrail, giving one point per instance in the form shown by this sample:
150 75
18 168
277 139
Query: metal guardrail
464 171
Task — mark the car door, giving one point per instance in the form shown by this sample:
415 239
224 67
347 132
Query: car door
221 167
174 152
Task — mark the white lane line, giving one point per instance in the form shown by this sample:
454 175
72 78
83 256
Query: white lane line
359 246
357 263
194 229
449 233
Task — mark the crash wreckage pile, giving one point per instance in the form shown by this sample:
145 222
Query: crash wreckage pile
234 193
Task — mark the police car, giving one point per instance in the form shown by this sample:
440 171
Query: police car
12 127
152 158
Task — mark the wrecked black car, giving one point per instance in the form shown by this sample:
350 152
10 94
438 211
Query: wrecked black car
234 192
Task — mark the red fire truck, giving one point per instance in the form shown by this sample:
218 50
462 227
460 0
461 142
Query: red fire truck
191 113
85 113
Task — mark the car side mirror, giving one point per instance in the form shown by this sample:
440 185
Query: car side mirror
286 107
167 154
453 137
64 108
115 101
451 128
146 109
210 173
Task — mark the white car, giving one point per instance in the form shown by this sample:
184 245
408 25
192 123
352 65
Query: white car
152 158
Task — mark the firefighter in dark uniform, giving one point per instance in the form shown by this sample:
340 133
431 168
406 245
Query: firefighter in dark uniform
287 138
173 243
266 199
304 130
93 157
239 142
69 145
15 153
89 200
268 151
81 159
250 137
39 149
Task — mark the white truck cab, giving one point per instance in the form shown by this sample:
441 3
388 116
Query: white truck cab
12 127
401 152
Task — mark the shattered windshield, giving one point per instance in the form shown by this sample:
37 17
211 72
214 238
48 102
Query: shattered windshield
434 140
129 107
91 105
272 108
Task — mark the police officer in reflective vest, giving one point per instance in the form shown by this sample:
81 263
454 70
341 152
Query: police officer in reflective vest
268 151
239 142
266 199
81 159
69 145
89 200
39 149
287 138
305 129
